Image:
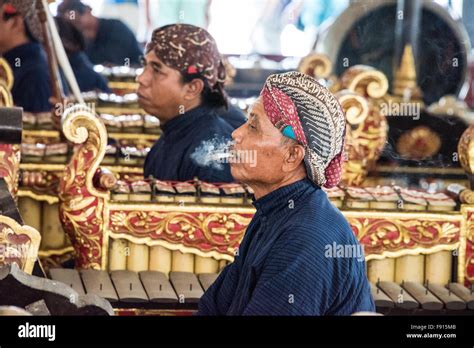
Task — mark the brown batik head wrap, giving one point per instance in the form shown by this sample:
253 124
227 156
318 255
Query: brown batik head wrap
190 50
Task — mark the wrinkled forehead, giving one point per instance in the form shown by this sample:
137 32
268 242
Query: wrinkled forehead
257 112
256 107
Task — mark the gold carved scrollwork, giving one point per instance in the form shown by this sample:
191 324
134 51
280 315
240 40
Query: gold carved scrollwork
81 126
365 81
6 74
466 150
316 65
467 196
366 134
82 206
6 84
107 180
6 99
9 154
361 89
354 105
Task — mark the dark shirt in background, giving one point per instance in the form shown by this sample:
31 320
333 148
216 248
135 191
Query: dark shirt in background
114 44
170 157
31 88
87 78
233 116
74 44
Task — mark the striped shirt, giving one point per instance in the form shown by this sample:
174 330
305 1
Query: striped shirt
286 265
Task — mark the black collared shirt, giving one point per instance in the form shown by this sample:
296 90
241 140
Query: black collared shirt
289 262
170 157
31 88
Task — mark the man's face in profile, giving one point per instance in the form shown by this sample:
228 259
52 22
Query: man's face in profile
258 134
160 88
85 22
7 26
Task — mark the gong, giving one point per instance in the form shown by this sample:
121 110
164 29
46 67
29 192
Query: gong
365 34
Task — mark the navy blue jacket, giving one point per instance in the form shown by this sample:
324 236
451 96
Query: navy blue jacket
285 264
31 88
114 44
87 78
170 157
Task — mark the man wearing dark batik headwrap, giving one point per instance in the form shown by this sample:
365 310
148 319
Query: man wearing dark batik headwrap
286 263
182 84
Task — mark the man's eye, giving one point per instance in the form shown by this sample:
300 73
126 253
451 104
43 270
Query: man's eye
156 68
142 62
252 126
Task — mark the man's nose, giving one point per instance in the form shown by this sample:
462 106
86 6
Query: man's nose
142 78
237 135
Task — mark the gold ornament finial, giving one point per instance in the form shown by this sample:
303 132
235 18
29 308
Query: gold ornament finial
404 84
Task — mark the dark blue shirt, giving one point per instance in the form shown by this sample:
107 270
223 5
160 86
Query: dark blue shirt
31 88
114 44
170 157
233 115
284 265
87 78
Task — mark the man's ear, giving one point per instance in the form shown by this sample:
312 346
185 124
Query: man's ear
294 156
194 89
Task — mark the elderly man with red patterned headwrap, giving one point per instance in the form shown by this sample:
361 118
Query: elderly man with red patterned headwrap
289 261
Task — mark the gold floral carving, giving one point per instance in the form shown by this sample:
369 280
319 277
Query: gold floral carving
383 237
205 231
10 166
